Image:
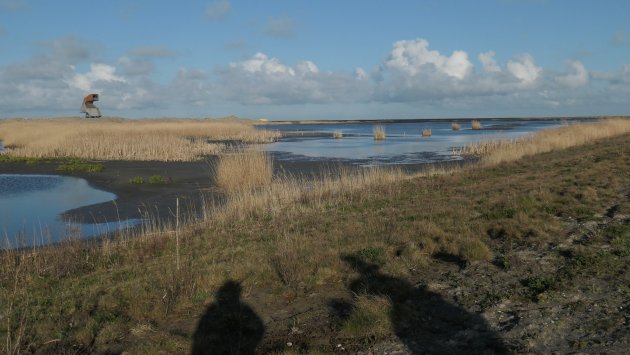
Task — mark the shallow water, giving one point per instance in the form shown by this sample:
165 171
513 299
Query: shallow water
403 145
31 205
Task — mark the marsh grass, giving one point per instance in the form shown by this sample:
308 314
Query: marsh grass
338 134
455 126
475 124
547 140
115 139
243 170
426 132
379 132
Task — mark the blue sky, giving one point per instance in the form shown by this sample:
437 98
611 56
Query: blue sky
284 59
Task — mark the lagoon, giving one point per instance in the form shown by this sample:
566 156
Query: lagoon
403 144
31 207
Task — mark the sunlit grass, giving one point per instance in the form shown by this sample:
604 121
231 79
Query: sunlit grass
117 139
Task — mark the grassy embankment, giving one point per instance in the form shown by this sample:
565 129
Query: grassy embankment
510 225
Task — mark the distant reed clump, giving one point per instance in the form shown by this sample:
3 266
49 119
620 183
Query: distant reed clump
455 126
244 170
120 139
337 134
475 124
379 133
426 132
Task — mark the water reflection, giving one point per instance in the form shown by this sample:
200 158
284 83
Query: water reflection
30 206
403 144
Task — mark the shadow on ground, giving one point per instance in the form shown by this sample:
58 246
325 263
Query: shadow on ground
422 319
228 326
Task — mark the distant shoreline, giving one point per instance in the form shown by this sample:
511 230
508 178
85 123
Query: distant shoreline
415 120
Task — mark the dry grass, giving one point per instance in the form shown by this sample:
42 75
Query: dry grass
455 126
337 134
291 233
547 140
426 132
243 171
296 194
475 124
379 133
118 139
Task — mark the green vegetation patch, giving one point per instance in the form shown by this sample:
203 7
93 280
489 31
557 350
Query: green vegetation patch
136 180
157 179
73 167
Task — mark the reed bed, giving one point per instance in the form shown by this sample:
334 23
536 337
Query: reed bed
379 132
455 126
337 134
426 132
117 139
243 170
475 124
547 140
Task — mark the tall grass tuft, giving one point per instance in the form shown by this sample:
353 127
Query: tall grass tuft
337 134
455 126
379 133
426 132
243 171
475 124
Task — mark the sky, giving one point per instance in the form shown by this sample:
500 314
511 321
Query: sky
318 59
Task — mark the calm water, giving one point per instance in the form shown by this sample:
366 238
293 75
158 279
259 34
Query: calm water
403 144
30 208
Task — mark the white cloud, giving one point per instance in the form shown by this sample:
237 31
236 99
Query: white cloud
218 9
577 79
360 74
524 69
97 73
413 57
266 80
489 64
412 78
280 27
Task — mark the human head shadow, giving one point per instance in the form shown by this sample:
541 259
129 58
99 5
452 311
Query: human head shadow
422 319
228 326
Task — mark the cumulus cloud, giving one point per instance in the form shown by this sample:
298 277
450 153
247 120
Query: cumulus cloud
524 69
412 76
266 80
489 64
98 73
218 10
279 27
413 57
577 79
